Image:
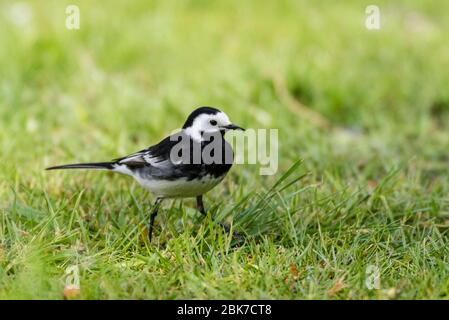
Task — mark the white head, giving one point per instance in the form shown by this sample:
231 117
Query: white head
207 120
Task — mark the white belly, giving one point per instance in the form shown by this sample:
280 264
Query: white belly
182 188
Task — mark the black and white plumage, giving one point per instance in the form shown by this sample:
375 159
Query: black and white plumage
188 163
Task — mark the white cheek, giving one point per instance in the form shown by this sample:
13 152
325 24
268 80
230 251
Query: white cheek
202 124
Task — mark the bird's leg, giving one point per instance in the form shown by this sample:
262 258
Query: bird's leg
156 205
200 206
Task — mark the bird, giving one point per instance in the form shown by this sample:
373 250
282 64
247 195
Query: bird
185 164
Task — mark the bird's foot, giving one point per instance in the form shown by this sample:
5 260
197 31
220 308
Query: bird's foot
235 235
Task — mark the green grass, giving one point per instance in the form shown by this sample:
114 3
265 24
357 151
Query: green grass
366 111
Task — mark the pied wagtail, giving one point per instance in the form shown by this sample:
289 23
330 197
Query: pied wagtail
186 164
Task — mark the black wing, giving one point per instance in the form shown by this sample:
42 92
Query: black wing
158 161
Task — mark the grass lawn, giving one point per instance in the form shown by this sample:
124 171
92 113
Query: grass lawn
367 112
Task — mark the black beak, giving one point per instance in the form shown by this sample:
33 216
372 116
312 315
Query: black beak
232 127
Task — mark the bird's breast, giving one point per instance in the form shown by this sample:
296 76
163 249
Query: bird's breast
180 188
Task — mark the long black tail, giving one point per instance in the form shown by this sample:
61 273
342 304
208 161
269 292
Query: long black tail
93 165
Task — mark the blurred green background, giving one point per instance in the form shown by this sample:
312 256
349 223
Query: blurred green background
366 110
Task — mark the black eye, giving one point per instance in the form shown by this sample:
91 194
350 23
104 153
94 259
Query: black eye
213 122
